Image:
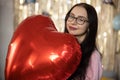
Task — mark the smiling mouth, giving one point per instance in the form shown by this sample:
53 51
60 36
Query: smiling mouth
72 28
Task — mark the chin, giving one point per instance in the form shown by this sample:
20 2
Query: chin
73 34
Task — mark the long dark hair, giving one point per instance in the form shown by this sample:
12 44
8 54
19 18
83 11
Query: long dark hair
89 43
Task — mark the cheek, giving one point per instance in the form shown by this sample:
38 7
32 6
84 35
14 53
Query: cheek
67 24
83 27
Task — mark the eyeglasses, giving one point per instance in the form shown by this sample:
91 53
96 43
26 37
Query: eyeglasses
80 20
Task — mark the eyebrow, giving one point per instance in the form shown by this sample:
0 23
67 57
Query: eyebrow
78 16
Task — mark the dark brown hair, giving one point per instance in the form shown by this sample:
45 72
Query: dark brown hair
89 43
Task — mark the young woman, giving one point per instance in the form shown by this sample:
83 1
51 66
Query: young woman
82 22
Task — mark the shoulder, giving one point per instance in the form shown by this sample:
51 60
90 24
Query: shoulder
94 71
96 55
95 58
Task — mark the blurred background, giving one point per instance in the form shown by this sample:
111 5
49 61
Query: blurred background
12 12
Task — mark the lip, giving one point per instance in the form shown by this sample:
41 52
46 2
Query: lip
72 28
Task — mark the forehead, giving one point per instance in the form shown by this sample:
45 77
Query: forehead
79 11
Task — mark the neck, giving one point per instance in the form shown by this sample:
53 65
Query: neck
80 38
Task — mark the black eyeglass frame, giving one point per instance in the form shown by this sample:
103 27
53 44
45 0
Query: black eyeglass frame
81 18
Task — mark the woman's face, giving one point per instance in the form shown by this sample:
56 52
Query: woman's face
77 21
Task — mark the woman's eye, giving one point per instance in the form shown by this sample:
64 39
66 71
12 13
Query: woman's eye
79 19
72 16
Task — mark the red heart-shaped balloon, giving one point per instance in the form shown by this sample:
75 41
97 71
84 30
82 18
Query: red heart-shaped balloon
38 52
